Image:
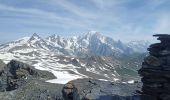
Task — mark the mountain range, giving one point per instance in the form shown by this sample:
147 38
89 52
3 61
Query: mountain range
91 55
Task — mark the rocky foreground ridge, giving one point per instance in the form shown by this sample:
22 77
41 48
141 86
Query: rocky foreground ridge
19 81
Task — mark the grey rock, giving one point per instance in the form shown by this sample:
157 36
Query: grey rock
153 61
2 64
19 81
155 69
92 89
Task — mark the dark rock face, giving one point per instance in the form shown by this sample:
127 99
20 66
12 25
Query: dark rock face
92 89
69 91
15 74
19 81
2 64
155 69
39 90
2 83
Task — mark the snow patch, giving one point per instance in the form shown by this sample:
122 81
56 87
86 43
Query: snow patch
6 57
131 82
115 79
63 77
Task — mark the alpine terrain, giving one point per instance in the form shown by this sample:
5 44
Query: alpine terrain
91 55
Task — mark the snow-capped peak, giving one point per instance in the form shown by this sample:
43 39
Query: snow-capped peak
139 46
37 42
139 43
53 38
91 34
35 37
92 43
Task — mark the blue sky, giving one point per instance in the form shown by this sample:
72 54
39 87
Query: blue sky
121 19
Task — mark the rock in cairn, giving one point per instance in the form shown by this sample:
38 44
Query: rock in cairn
155 69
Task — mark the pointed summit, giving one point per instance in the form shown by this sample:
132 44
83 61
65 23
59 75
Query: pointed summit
91 34
35 37
94 36
53 38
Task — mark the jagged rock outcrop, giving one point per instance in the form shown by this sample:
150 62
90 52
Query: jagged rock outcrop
16 73
2 64
19 81
155 69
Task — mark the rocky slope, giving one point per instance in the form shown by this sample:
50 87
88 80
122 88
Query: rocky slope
19 81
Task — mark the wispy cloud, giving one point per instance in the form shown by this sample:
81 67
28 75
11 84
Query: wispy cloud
32 12
48 18
77 10
117 18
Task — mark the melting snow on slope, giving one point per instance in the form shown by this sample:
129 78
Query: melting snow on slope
6 57
24 50
62 77
131 82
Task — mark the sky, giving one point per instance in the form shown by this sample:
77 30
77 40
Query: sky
126 20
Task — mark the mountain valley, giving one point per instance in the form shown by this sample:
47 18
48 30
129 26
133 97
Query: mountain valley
89 56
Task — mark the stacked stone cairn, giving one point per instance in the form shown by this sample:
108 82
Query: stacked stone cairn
155 69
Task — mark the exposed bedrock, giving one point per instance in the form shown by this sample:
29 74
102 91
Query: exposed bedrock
155 69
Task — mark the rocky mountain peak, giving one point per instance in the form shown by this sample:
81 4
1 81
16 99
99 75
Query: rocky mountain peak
138 46
93 37
34 37
92 43
92 34
53 38
37 42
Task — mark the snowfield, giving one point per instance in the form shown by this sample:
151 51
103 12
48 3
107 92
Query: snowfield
63 77
69 58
